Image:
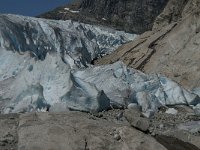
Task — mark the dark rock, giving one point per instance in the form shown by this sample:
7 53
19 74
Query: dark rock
135 16
172 143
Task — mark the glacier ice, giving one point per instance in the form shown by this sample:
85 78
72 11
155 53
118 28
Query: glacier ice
48 82
45 63
81 42
98 88
124 85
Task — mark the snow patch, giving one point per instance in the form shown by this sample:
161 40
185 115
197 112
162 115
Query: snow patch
72 11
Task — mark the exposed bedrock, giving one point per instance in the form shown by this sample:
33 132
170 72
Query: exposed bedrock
135 16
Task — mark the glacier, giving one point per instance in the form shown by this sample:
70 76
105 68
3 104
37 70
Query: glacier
76 42
46 65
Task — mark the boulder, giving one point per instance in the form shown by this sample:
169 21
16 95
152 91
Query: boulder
136 120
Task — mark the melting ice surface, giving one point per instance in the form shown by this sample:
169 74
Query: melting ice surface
72 40
46 64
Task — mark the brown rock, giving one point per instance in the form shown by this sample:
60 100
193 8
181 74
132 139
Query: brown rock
172 48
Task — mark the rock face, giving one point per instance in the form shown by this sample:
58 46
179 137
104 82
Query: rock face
172 48
134 16
36 72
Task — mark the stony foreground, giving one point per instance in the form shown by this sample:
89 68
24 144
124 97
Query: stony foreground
106 130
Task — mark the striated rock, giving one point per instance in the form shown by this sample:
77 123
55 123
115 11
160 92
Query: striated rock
172 12
172 48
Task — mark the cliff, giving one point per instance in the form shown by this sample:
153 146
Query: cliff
136 16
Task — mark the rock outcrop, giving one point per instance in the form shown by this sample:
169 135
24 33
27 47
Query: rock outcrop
134 16
77 130
172 48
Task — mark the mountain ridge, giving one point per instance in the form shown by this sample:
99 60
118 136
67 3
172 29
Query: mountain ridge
131 16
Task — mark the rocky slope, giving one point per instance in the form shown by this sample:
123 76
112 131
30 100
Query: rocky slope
104 131
134 16
172 48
